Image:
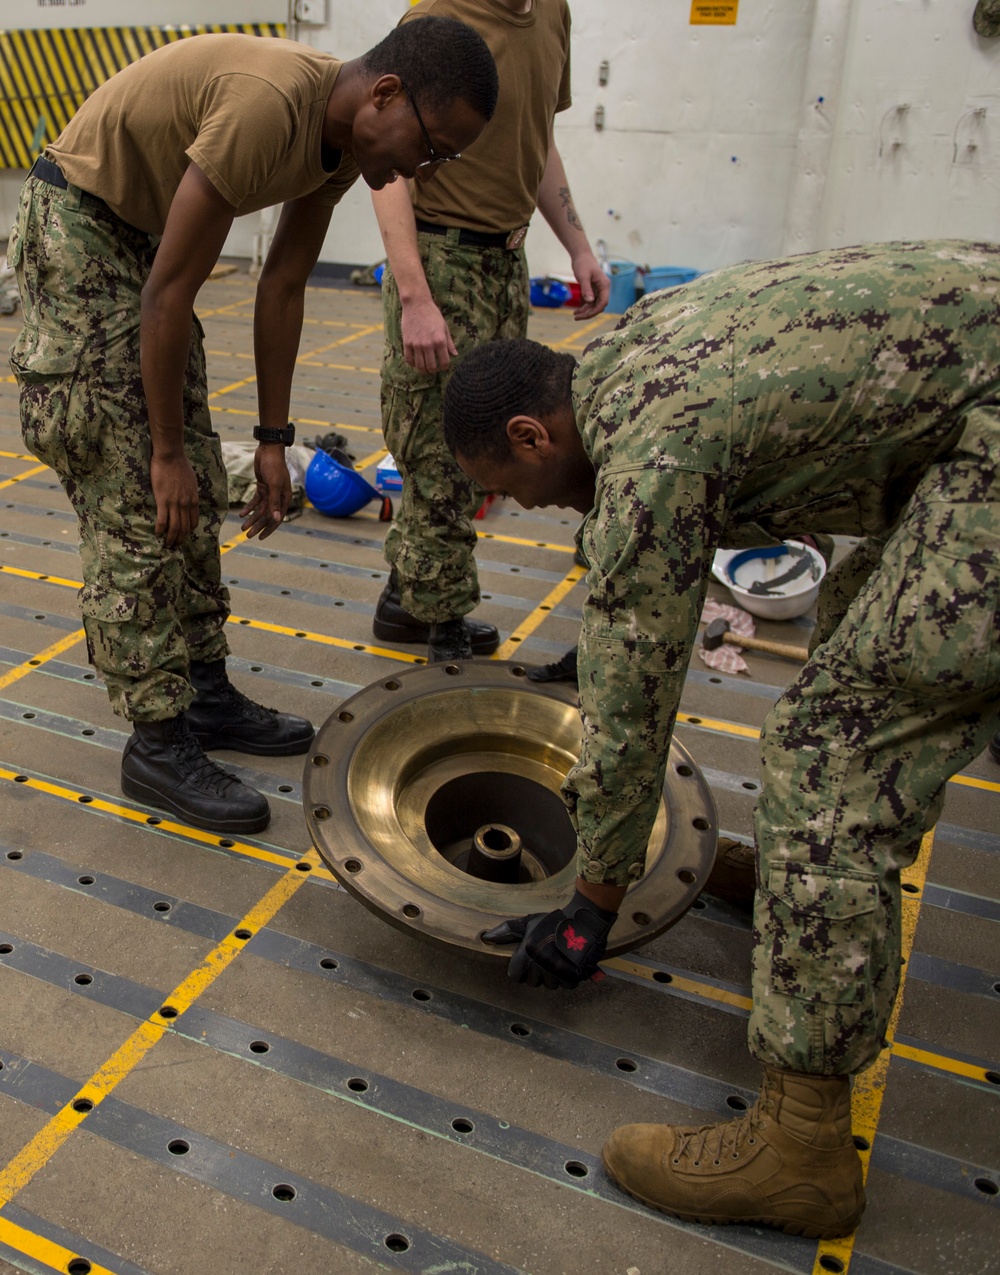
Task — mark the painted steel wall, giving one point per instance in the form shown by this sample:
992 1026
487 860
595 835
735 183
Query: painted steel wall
45 75
721 143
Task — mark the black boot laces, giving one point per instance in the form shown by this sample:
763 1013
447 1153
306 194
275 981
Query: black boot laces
230 698
195 765
715 1143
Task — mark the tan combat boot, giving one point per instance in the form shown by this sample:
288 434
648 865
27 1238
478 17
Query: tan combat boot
788 1162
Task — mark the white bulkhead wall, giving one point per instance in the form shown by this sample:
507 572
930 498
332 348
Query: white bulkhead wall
807 124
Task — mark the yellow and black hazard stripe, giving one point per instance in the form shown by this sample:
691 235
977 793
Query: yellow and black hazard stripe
46 75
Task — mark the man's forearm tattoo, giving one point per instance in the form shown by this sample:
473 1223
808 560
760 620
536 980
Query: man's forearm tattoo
567 203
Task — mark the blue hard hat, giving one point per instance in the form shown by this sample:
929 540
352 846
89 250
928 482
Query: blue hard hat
336 489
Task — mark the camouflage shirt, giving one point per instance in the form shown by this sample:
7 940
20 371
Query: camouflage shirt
760 402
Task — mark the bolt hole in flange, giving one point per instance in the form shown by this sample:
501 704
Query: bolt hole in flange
438 806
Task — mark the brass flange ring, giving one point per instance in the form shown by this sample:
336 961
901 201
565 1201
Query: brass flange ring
404 774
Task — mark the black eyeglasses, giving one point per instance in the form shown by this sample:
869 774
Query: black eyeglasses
435 158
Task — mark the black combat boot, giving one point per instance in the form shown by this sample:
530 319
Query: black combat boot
220 716
563 670
164 766
449 641
994 747
393 623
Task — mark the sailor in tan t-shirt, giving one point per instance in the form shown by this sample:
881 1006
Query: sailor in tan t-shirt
119 224
457 277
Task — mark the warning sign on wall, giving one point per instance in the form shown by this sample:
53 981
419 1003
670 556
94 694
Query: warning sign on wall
720 14
40 15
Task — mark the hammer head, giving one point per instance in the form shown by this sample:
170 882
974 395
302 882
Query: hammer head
715 634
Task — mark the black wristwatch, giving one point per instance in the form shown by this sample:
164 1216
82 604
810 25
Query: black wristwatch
265 434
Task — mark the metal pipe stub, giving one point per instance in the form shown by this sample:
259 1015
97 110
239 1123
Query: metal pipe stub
434 797
495 854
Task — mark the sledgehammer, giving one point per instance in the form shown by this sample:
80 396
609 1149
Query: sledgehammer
718 632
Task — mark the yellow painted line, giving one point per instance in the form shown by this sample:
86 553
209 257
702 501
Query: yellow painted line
939 1062
869 1087
43 1250
373 459
716 724
340 323
141 817
15 455
50 653
228 309
342 367
551 599
345 340
240 538
301 420
703 990
303 358
33 1157
967 781
28 473
324 639
750 732
578 334
236 385
37 575
529 544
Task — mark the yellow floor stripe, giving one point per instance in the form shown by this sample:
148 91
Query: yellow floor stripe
578 334
302 358
530 544
325 640
36 661
38 575
552 599
43 1250
342 367
703 990
723 727
869 1086
28 473
373 459
299 420
33 1157
967 781
16 455
143 817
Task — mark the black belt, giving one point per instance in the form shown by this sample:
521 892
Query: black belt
46 171
478 238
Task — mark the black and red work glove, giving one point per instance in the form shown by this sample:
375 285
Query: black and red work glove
558 949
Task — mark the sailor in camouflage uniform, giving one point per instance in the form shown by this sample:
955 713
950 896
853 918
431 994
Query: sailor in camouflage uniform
852 392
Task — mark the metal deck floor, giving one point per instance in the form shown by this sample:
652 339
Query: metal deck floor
330 1094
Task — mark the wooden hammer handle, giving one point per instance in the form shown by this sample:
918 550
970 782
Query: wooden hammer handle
772 648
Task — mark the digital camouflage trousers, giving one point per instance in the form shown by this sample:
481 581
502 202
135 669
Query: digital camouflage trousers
147 610
903 692
482 294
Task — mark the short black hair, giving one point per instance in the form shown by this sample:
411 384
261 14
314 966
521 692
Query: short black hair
439 60
495 382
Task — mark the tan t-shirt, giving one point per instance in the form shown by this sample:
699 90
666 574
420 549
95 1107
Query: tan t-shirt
247 110
494 186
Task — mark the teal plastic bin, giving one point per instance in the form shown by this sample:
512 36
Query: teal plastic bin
623 276
666 277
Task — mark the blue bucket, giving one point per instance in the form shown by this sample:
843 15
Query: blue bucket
622 286
666 277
